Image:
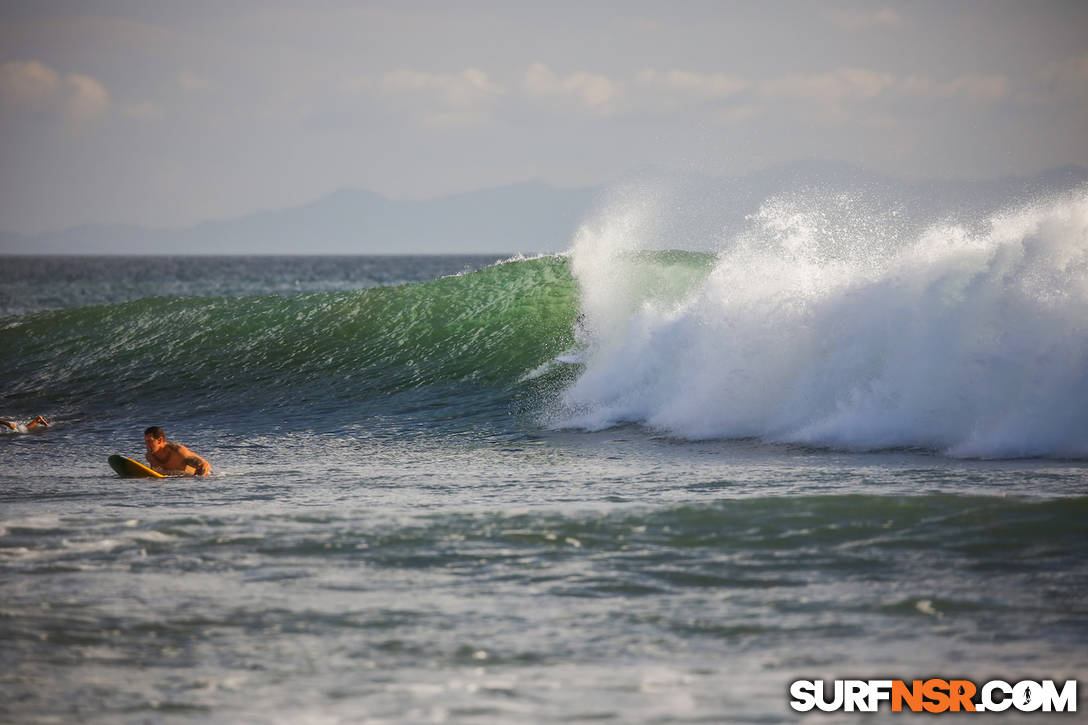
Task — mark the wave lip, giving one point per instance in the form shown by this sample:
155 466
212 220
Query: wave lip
823 326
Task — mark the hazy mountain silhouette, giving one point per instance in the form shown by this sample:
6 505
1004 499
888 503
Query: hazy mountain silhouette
527 217
524 217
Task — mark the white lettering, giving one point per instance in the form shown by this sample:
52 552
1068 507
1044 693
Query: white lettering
803 693
994 696
1065 701
856 695
1027 696
834 704
992 705
879 690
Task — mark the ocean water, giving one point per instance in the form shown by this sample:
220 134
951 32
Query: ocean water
630 483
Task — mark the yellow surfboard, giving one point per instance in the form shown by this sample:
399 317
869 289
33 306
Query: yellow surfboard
128 468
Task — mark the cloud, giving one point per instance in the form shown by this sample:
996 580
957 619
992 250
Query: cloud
666 93
588 91
141 111
461 90
651 91
28 84
737 114
855 20
86 99
706 86
445 99
974 88
471 96
191 81
844 84
34 86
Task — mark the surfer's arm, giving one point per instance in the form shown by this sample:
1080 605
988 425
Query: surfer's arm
198 463
191 459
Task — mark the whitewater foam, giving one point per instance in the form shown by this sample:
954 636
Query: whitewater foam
828 324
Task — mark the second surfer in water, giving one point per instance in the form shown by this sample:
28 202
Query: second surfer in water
172 458
39 421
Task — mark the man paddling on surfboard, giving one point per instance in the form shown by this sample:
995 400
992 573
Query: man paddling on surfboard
171 458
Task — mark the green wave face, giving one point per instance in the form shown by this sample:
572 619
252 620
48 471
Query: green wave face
486 328
472 344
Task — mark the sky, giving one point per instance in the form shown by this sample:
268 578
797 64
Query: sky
166 114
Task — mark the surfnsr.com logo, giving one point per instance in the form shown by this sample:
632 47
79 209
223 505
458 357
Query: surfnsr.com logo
933 696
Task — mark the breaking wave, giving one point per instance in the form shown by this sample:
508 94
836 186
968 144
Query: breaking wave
840 319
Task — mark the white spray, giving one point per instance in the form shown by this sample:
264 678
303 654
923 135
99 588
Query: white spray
828 321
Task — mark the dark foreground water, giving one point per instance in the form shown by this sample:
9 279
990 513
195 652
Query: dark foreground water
418 514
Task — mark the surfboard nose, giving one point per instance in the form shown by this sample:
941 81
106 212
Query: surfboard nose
128 468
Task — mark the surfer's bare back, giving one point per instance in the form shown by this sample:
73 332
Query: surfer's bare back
171 458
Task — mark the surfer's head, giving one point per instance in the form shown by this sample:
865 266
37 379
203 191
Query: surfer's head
154 438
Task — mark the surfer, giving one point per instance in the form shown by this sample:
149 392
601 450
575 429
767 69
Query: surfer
29 426
171 458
